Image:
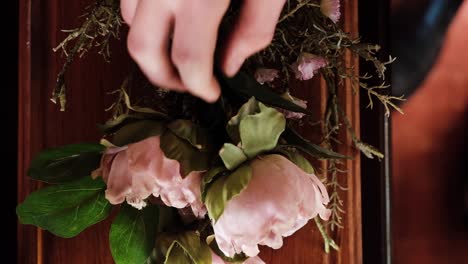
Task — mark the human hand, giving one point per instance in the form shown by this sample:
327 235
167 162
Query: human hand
191 28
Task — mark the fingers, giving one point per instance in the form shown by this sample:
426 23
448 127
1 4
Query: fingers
194 45
128 8
148 43
253 32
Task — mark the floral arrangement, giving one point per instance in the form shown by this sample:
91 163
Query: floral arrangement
208 183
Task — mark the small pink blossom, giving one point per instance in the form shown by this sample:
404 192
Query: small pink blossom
279 199
331 9
137 171
307 65
263 75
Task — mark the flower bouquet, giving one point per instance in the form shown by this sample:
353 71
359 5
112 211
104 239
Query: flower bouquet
208 183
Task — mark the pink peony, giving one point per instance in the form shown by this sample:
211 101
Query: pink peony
136 171
263 75
215 259
307 65
280 199
331 9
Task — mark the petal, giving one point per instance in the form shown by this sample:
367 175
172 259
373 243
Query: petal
254 260
107 160
331 9
118 179
280 199
140 170
143 163
263 75
215 259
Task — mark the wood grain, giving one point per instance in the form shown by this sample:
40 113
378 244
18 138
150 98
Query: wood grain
41 125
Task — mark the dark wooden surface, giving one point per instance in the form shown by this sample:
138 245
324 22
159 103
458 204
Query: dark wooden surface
42 125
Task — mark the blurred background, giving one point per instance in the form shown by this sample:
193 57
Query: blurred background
429 158
417 32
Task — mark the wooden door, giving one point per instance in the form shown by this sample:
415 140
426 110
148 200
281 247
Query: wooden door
42 125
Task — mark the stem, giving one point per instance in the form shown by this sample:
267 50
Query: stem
292 12
326 238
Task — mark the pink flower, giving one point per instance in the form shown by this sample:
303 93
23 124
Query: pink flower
215 259
331 9
297 101
307 65
279 199
136 171
263 75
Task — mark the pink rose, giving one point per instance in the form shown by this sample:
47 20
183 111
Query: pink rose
136 171
331 9
307 65
279 199
217 260
263 75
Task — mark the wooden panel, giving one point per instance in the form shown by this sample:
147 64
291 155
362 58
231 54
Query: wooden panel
42 125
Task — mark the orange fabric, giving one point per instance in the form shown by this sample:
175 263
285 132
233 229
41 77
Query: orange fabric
428 185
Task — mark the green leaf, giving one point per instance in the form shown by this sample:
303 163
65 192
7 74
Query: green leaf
194 134
184 248
314 150
115 124
66 163
138 109
249 108
133 234
260 132
138 131
232 156
244 85
224 189
189 157
208 177
236 259
66 210
368 150
295 157
177 255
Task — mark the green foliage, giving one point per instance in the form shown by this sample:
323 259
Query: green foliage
189 157
260 132
66 210
224 188
138 131
66 163
133 234
256 128
193 134
184 248
232 156
236 259
208 178
295 157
